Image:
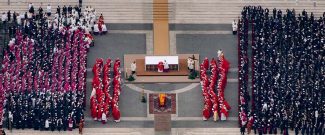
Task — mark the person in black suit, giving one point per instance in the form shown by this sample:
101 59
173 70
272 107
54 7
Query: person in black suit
40 12
80 3
9 15
58 10
14 17
70 9
64 10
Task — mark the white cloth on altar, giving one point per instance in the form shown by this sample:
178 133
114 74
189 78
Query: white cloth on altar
154 60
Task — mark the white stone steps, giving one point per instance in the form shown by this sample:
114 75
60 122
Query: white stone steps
39 1
223 14
180 11
200 9
243 1
207 4
116 1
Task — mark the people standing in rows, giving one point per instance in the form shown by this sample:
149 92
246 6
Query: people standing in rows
287 64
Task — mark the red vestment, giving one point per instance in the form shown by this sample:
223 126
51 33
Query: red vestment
160 66
94 110
96 82
99 113
206 63
116 113
206 113
105 108
224 111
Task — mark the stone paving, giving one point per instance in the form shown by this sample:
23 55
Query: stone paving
187 39
135 131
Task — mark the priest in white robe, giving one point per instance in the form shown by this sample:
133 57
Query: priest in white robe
166 66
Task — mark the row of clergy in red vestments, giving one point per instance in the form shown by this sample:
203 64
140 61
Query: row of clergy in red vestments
213 88
101 101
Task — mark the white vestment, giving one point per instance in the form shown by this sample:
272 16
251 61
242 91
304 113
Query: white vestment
133 67
166 66
96 28
47 123
104 118
223 116
190 63
219 53
234 26
104 28
93 93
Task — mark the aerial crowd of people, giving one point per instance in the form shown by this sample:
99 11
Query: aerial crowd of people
65 16
43 74
288 65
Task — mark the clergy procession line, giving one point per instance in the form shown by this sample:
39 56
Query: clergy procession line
214 102
288 64
101 102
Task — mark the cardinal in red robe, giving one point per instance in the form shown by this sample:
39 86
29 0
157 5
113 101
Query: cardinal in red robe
96 82
94 111
116 113
106 109
100 111
206 113
224 113
206 63
100 23
160 66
